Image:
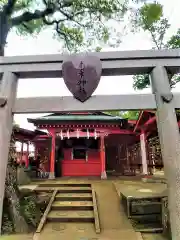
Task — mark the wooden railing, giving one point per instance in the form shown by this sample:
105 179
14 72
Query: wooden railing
154 157
154 153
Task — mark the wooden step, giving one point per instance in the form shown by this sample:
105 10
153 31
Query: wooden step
72 205
74 196
64 185
70 228
70 216
65 189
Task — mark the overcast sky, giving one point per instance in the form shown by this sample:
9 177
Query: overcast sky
44 44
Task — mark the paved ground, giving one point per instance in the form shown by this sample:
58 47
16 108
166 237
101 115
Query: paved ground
153 237
139 188
114 224
18 237
111 213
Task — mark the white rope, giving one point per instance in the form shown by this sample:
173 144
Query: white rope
67 133
77 133
87 133
95 134
61 135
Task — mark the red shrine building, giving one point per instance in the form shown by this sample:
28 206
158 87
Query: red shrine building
83 143
79 144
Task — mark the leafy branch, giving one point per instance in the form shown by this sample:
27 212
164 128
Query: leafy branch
78 23
152 20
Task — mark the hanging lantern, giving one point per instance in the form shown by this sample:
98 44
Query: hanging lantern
81 75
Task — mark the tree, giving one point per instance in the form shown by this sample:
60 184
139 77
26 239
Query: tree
20 211
12 208
150 18
76 23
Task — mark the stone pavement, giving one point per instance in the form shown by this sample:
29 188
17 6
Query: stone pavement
17 237
153 237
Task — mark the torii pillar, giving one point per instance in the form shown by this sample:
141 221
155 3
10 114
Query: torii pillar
8 89
170 143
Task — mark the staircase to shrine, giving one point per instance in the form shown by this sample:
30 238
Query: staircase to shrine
70 203
83 210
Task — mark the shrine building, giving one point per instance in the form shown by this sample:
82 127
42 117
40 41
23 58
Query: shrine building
84 143
78 144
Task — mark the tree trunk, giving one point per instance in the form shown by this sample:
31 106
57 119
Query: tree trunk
12 194
1 51
4 30
11 189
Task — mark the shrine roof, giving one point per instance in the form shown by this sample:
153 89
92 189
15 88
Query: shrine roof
25 134
95 116
147 119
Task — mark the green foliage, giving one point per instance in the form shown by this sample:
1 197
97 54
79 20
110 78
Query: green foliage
30 28
174 41
30 210
150 14
141 81
175 79
114 113
131 115
151 19
7 224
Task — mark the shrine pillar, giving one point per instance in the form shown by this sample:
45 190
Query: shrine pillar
27 155
103 158
143 153
52 158
22 150
35 150
170 142
128 160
